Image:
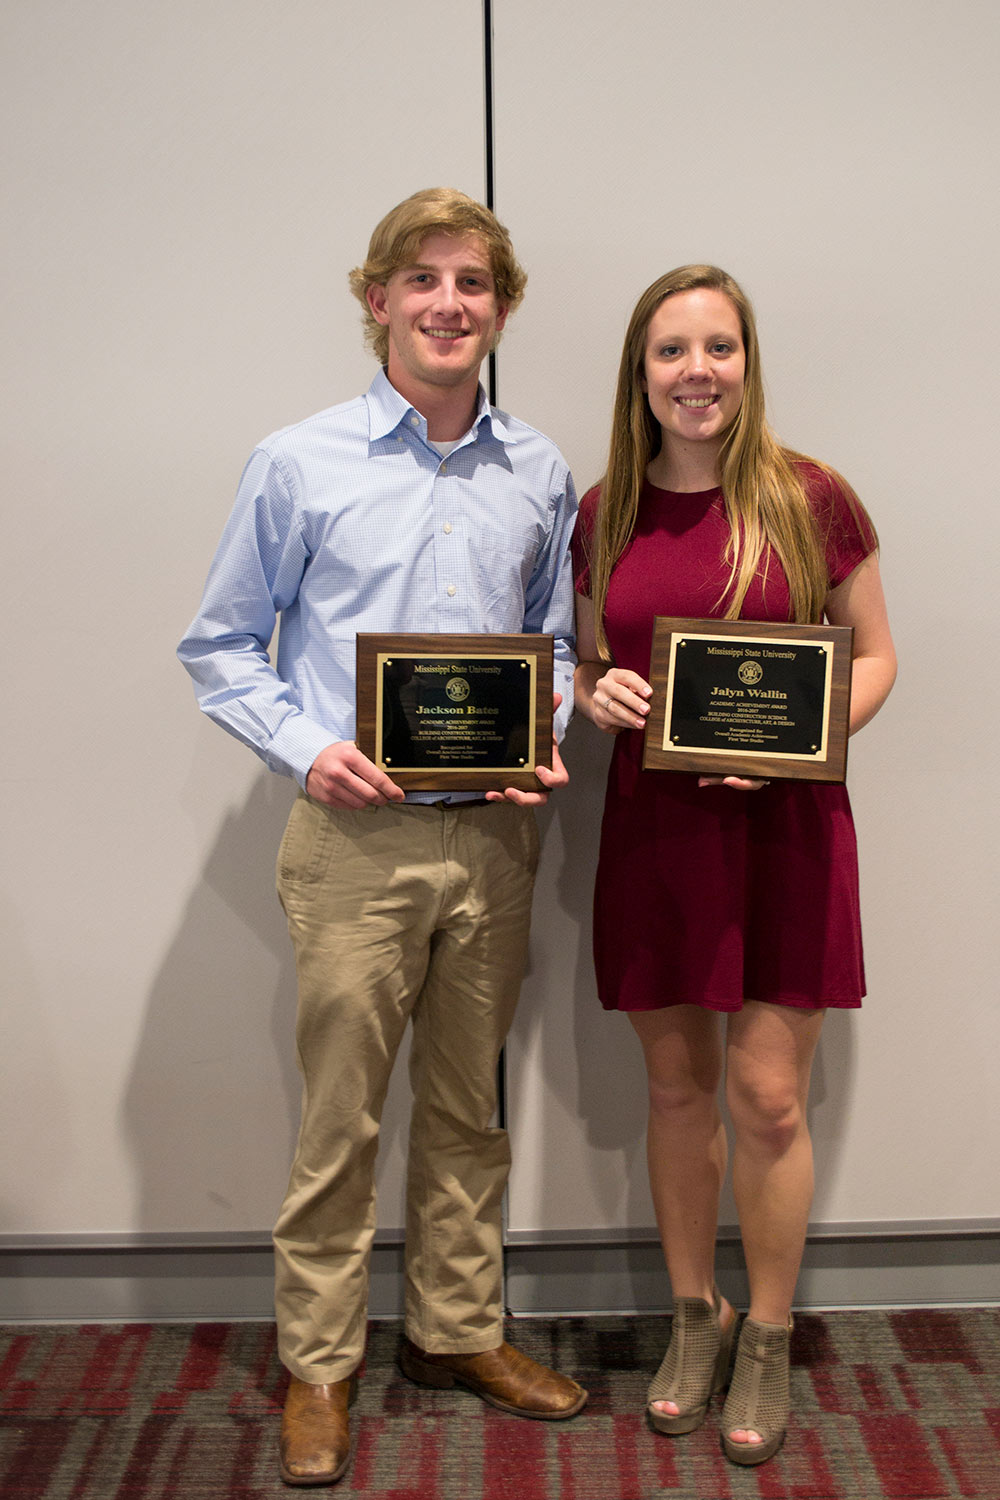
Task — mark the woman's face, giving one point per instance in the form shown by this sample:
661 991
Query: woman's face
693 366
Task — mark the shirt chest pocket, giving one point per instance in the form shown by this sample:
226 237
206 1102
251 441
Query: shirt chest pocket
502 561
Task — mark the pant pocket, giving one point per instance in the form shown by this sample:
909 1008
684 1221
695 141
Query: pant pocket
307 845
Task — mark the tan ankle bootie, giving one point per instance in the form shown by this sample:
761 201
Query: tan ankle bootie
758 1395
694 1366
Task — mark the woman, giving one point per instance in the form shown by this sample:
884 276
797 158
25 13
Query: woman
720 895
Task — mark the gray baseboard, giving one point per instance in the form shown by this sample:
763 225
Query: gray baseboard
844 1266
173 1282
156 1278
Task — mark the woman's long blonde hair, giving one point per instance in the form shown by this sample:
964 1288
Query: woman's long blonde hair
765 500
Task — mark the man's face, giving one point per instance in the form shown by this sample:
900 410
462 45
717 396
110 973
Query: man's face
441 312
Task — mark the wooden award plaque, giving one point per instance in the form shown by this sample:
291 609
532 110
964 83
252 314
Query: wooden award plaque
744 698
456 712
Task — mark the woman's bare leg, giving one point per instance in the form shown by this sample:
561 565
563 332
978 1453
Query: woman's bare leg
769 1055
685 1144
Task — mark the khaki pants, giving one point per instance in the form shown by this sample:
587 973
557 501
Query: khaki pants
399 913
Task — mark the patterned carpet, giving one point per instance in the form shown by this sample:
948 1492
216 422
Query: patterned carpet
887 1406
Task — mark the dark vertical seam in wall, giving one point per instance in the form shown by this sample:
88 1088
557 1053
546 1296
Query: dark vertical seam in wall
491 363
491 390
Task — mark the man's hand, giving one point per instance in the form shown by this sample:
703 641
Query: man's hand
341 776
558 776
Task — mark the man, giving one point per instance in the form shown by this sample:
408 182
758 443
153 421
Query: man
417 507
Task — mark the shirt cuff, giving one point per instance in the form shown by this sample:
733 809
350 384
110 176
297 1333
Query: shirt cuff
296 745
563 682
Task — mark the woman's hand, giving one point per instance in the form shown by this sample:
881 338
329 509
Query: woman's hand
618 699
739 783
614 698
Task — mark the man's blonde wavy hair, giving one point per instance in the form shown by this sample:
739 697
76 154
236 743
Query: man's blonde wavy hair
396 243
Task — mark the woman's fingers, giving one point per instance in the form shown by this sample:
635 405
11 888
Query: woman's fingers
621 696
738 783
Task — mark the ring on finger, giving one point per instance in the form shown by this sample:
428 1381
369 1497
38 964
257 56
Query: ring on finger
608 703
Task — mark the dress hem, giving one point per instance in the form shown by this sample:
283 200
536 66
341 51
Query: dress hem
727 1007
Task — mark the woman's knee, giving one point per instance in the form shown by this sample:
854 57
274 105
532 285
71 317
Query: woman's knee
766 1112
683 1060
683 1093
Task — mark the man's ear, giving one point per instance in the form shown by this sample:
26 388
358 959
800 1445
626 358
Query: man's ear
501 317
375 297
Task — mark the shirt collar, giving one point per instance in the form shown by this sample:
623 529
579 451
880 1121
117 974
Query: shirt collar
387 410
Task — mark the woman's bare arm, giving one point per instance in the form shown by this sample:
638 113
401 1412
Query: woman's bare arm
859 601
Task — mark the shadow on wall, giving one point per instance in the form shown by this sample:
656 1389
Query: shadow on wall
589 1060
34 1056
212 1105
586 1060
211 1108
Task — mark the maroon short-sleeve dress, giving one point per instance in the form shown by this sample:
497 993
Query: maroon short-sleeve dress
704 895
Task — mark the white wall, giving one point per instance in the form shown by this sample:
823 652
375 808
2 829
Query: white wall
190 185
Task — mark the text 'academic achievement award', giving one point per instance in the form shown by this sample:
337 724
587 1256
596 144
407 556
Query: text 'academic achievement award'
456 712
744 698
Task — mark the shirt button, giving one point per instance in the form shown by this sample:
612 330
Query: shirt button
447 528
414 421
444 468
452 590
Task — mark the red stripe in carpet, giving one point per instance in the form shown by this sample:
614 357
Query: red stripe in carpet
902 1458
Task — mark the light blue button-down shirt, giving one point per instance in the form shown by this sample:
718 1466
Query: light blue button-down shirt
352 521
